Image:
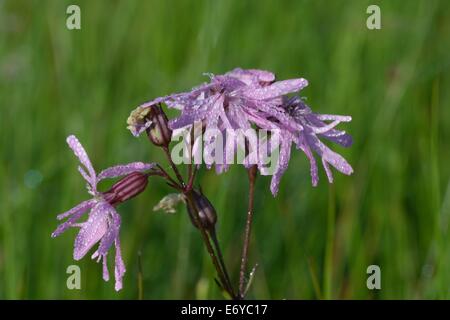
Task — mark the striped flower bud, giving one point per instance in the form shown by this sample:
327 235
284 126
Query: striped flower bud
206 211
158 132
126 188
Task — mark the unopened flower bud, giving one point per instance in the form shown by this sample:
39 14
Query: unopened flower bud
158 132
206 212
126 188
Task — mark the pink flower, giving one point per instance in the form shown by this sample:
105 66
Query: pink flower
103 223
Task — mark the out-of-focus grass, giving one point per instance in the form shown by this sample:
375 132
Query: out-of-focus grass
393 211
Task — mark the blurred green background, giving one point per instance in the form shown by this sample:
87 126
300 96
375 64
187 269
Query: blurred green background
309 242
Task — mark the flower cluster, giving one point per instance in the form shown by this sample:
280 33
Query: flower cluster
243 99
236 101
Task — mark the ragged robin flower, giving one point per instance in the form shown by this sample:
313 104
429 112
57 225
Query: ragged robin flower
103 223
235 101
243 99
314 127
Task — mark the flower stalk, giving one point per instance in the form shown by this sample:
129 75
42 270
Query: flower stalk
208 235
252 173
201 213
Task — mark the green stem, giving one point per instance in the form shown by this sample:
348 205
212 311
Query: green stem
247 232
